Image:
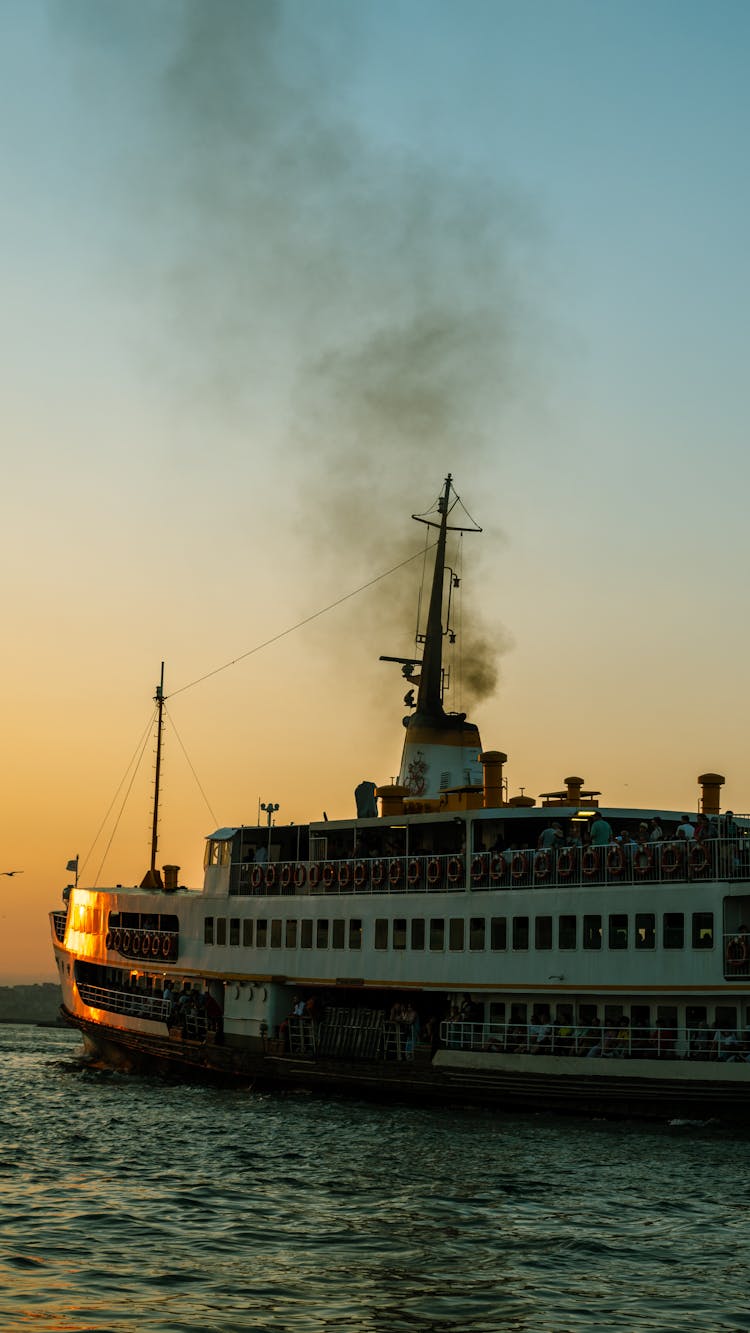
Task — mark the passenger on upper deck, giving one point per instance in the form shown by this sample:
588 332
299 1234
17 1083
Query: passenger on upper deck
550 837
601 831
657 832
686 829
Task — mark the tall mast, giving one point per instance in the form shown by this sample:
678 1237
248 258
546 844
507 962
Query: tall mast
159 701
429 698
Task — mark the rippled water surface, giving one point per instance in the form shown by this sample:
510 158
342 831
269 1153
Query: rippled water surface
129 1203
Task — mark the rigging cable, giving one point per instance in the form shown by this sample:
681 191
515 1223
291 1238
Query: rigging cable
141 742
124 800
190 766
299 625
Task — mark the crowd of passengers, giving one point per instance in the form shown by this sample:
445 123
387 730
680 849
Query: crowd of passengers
615 1038
598 832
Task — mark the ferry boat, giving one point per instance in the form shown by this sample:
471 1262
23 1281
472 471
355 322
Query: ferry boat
449 941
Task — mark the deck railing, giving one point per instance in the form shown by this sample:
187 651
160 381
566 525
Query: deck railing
668 862
614 1040
135 1003
59 920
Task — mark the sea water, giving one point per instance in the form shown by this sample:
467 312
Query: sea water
133 1203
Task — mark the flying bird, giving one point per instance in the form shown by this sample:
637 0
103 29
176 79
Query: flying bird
11 872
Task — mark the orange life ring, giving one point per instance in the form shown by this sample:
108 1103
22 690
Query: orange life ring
126 941
256 875
155 945
414 870
270 875
313 875
737 951
433 870
671 858
518 865
285 877
300 875
478 867
136 943
109 939
117 940
345 874
329 874
566 859
144 944
360 874
644 850
698 857
498 866
590 861
455 866
376 874
615 859
542 863
394 870
166 947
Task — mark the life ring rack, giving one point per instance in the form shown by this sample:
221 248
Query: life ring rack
615 859
671 858
518 865
698 858
542 863
566 859
643 858
590 861
737 951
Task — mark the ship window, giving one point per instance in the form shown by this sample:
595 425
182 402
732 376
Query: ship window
321 934
618 931
247 933
417 940
437 933
518 1016
645 930
543 932
587 1013
520 932
498 932
291 933
381 933
476 933
208 930
456 933
497 1011
305 934
726 1016
703 930
355 933
261 933
673 936
399 933
337 933
592 932
566 932
276 933
221 930
234 930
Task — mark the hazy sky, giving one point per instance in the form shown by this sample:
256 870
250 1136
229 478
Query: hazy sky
269 272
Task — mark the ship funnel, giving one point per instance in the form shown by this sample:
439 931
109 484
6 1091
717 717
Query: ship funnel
171 874
492 766
711 785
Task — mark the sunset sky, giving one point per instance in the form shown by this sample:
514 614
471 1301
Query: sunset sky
269 272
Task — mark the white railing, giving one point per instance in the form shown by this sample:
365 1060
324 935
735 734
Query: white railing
135 1003
668 862
595 1040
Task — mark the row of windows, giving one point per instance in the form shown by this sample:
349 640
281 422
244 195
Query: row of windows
499 932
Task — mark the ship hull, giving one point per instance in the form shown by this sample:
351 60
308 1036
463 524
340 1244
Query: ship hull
641 1089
